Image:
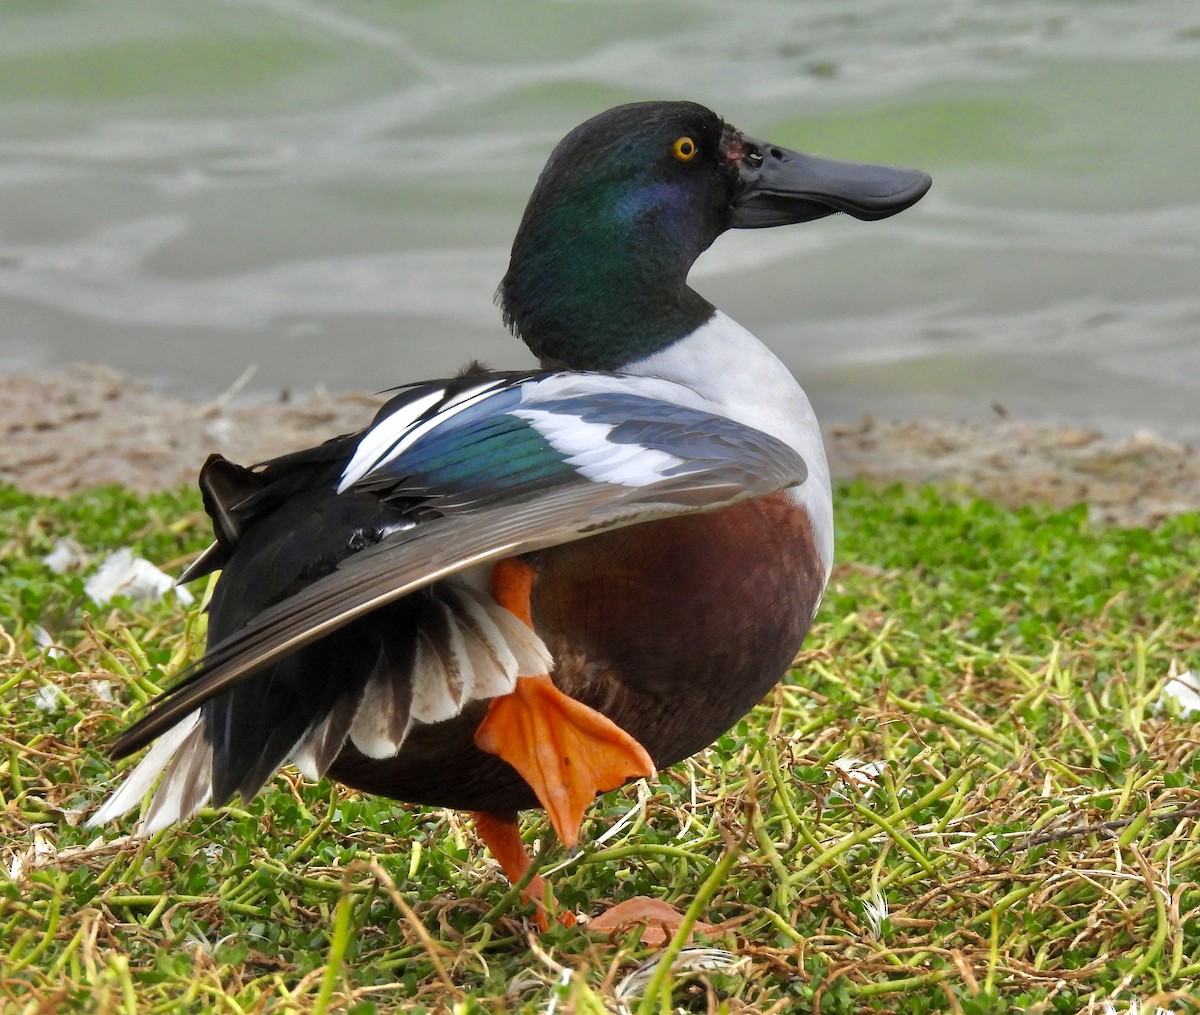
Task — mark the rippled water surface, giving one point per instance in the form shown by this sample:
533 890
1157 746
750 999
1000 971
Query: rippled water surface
328 190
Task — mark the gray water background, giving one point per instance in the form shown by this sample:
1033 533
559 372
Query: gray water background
328 190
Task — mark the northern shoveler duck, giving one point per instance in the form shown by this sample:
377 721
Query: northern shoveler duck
518 590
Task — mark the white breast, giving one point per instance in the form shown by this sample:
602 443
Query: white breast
735 373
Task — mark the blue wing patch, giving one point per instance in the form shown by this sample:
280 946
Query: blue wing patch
507 440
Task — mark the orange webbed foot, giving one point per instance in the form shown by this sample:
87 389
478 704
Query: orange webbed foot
566 751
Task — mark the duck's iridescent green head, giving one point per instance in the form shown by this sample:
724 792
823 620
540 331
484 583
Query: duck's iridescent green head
630 199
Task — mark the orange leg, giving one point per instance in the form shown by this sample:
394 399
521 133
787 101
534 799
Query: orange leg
566 751
503 838
512 588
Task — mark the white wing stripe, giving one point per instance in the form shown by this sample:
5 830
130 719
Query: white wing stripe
304 754
371 455
376 441
587 448
382 722
139 781
476 616
186 785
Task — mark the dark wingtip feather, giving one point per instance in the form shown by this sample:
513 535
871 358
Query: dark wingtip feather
225 486
212 559
146 729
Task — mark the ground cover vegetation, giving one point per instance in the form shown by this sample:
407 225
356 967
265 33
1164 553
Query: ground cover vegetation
966 797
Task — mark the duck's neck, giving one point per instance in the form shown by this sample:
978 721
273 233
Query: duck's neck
590 292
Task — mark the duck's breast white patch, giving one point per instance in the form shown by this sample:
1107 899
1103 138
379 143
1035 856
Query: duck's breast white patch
740 378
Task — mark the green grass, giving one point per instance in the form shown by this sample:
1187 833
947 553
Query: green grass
1032 830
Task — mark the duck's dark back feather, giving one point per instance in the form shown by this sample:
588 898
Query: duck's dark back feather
254 726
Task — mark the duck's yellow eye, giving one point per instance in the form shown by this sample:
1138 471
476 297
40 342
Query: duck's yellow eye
684 149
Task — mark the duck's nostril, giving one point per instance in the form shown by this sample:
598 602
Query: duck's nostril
776 153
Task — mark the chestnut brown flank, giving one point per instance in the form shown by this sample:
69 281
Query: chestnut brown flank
710 608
